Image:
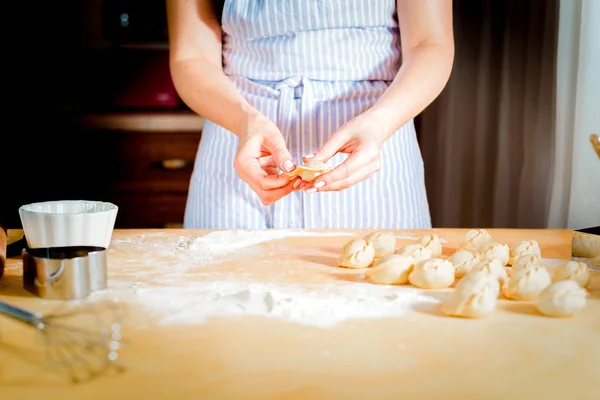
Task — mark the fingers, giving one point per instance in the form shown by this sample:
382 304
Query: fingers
329 149
359 166
267 161
270 182
280 154
352 180
268 197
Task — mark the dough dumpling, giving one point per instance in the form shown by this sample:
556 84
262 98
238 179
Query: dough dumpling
310 170
433 273
573 270
416 251
498 251
391 270
475 296
585 245
357 253
433 243
524 247
493 267
526 284
384 243
561 299
463 261
525 261
475 238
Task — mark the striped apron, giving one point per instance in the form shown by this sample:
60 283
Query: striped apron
310 66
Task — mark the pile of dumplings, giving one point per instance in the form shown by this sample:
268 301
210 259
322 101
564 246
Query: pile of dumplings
483 269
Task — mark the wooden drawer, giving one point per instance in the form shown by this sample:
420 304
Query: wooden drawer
145 173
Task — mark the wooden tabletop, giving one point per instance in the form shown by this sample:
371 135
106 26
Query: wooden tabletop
171 351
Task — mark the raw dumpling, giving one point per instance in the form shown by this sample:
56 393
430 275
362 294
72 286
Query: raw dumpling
525 261
384 243
416 251
585 245
433 243
500 252
475 238
475 296
310 170
561 299
526 284
391 270
357 253
433 273
573 270
492 266
524 247
463 261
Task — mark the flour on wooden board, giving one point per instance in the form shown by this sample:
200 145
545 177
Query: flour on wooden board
322 305
179 301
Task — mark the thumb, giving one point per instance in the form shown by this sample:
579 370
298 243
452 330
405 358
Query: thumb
329 149
281 156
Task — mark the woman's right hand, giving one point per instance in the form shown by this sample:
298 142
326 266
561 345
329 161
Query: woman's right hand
261 151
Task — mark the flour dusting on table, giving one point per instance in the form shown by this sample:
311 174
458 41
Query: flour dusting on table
323 305
176 298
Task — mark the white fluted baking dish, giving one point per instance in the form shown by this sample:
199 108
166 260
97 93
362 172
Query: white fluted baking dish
64 223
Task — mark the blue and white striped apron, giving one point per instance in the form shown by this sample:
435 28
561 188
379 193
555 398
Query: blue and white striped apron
310 66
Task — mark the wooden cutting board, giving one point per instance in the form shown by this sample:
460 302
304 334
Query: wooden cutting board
513 353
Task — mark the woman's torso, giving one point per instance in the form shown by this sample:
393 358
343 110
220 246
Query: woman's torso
322 40
310 66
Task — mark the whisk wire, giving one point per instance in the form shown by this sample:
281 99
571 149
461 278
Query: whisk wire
80 352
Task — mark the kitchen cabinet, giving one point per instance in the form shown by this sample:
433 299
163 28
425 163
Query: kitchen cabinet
141 161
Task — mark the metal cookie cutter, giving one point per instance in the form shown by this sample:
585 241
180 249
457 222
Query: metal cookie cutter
64 273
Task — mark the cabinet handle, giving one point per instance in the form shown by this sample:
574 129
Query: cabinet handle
174 163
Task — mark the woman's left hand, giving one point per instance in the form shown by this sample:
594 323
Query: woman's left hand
361 138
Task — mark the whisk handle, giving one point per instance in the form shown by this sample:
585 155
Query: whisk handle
19 313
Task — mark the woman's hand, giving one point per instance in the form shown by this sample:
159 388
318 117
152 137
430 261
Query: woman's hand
261 151
361 138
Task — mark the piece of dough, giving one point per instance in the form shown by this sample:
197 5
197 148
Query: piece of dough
526 284
493 267
384 243
475 296
585 245
433 243
525 261
498 251
573 270
416 251
475 238
524 247
310 170
433 273
561 299
391 270
463 261
357 253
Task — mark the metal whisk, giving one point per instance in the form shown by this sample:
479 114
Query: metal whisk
82 353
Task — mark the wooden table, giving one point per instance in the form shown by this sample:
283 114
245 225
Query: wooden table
514 353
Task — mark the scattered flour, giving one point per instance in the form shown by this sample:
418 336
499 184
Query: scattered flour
179 300
323 305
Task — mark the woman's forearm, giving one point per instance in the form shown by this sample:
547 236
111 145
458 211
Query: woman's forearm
204 87
421 78
196 68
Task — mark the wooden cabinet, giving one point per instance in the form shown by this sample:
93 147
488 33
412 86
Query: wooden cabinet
140 162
